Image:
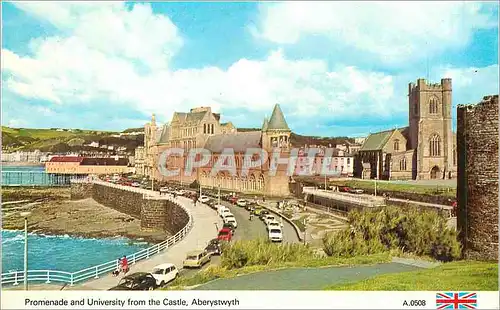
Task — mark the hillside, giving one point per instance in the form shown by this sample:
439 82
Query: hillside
76 140
65 140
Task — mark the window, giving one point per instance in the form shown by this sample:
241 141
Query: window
433 105
396 145
348 161
402 164
435 145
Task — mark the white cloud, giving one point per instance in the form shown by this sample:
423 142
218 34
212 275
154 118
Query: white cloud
92 67
392 31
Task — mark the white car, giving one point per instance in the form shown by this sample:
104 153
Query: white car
269 218
222 209
180 192
231 220
164 273
203 199
275 235
225 214
273 224
241 202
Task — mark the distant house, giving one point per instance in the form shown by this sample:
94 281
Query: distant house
111 147
104 146
93 144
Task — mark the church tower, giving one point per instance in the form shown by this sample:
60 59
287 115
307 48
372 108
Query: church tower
275 131
430 133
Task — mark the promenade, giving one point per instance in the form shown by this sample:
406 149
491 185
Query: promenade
203 230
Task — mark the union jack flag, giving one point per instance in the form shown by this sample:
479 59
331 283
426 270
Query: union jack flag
460 300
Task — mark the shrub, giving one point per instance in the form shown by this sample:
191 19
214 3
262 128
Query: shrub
263 252
411 231
195 184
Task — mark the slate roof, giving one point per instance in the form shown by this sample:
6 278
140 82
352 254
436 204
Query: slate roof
277 120
376 141
164 135
195 116
238 141
108 161
265 125
66 159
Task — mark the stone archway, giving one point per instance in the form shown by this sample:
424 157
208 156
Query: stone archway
435 172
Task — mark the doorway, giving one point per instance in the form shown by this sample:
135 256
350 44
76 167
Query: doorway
435 172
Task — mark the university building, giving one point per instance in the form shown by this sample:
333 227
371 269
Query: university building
201 128
426 149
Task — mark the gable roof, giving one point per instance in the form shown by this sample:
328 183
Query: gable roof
164 135
195 116
238 141
277 120
376 141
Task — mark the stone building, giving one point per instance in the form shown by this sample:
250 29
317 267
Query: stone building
477 188
200 128
426 149
139 158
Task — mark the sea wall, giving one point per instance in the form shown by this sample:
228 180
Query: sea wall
477 191
154 214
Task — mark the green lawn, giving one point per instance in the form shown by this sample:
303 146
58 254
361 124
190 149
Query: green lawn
455 276
411 188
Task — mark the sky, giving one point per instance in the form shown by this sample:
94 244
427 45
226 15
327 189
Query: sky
335 68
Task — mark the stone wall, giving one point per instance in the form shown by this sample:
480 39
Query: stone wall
155 214
477 191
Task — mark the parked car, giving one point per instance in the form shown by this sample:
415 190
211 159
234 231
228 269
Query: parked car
180 192
263 213
164 273
225 234
136 184
196 259
345 189
139 281
231 219
225 212
241 203
203 199
214 247
268 218
230 226
356 191
273 224
233 199
275 235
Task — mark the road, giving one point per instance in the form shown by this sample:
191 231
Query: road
247 230
304 278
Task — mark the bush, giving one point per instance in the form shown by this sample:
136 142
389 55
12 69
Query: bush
391 228
263 252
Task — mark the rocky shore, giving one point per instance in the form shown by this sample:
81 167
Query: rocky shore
55 214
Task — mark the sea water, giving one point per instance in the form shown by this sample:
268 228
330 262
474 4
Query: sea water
62 253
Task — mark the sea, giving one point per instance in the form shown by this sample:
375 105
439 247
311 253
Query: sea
63 253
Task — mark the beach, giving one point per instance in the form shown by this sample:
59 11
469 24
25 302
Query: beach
54 214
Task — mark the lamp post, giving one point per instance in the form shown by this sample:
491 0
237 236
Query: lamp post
305 231
375 186
325 182
25 215
218 195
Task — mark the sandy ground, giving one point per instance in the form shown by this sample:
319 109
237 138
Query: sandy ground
85 218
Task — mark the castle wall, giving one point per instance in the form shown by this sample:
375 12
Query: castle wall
477 192
155 214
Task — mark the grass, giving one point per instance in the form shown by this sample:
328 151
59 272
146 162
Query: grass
409 188
454 276
300 223
217 272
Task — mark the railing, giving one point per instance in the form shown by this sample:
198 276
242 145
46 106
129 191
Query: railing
346 197
94 272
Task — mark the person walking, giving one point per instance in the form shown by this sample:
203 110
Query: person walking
124 264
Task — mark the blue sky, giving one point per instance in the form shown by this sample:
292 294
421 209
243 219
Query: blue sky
335 68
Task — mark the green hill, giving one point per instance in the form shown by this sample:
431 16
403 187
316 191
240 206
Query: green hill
63 140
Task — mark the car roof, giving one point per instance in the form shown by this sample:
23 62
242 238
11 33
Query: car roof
163 266
136 275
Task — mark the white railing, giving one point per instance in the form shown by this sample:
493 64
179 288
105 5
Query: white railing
353 198
94 272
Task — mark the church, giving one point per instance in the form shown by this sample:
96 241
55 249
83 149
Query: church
426 149
201 128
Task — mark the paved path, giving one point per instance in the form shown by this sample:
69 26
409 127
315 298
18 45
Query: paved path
202 231
304 278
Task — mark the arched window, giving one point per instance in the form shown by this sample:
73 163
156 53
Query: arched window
433 105
396 145
435 145
402 164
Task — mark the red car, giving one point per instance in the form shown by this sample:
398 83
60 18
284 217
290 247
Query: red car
345 189
225 234
233 199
